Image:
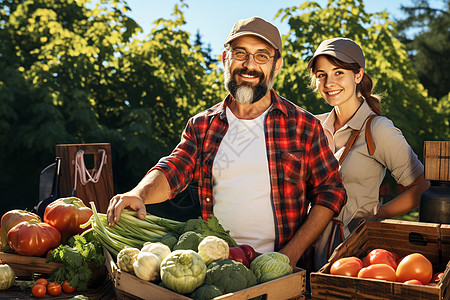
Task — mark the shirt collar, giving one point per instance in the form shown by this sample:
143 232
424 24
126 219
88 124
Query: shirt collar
358 119
355 122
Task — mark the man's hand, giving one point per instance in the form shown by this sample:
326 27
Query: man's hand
121 201
153 188
308 233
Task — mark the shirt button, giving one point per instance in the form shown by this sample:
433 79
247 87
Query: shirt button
207 199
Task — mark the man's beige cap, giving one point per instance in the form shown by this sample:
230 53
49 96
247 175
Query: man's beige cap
341 48
258 27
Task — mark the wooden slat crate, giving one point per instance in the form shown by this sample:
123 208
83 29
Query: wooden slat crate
437 160
26 266
432 240
129 286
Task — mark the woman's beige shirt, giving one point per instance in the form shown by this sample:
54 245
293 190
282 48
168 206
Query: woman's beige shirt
362 173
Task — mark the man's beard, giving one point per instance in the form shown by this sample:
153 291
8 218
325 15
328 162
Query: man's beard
245 92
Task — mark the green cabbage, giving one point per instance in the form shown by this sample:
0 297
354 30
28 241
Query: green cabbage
269 266
7 277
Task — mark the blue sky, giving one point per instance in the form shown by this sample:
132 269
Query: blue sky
214 19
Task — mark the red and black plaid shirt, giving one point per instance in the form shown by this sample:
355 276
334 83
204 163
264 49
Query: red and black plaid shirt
302 167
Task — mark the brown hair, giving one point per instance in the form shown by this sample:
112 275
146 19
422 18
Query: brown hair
364 88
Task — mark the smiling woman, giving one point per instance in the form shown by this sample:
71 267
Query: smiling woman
338 73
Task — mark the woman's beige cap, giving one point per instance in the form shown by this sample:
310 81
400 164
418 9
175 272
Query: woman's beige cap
343 49
258 27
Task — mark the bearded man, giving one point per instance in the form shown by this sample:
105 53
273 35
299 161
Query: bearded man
262 164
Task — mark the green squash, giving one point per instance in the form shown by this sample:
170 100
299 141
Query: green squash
7 277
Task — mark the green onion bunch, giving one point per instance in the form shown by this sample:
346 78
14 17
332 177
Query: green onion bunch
129 231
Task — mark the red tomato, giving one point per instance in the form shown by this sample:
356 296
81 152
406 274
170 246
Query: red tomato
413 281
42 281
11 219
38 290
54 288
250 253
33 238
66 215
346 266
414 266
379 271
237 254
381 256
67 288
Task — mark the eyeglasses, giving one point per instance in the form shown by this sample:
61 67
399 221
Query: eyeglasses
260 58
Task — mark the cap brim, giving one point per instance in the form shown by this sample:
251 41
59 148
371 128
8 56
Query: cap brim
235 36
339 55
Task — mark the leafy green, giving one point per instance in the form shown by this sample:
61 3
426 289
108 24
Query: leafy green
77 257
209 227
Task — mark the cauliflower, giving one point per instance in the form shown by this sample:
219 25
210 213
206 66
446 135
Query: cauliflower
206 292
229 276
188 241
212 248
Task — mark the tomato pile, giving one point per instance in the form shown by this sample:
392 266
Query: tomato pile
42 287
382 264
26 234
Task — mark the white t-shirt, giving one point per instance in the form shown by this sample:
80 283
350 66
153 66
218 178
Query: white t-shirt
241 185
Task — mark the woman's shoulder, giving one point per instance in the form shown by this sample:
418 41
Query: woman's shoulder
381 125
385 133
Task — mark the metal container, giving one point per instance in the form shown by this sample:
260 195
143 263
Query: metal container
435 203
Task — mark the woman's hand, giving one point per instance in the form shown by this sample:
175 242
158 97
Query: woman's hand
406 201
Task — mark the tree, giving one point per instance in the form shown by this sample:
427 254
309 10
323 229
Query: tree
207 52
404 99
426 35
73 72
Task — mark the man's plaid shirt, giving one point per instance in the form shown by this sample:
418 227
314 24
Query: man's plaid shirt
302 167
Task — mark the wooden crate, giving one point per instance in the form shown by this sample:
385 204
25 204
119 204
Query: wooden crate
27 266
432 240
437 160
129 286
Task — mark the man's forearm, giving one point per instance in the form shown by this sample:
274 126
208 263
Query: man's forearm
153 188
308 233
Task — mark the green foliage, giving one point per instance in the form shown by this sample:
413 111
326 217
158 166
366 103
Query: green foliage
427 43
404 99
76 257
209 227
74 72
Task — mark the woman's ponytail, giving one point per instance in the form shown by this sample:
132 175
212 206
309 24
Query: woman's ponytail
365 88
